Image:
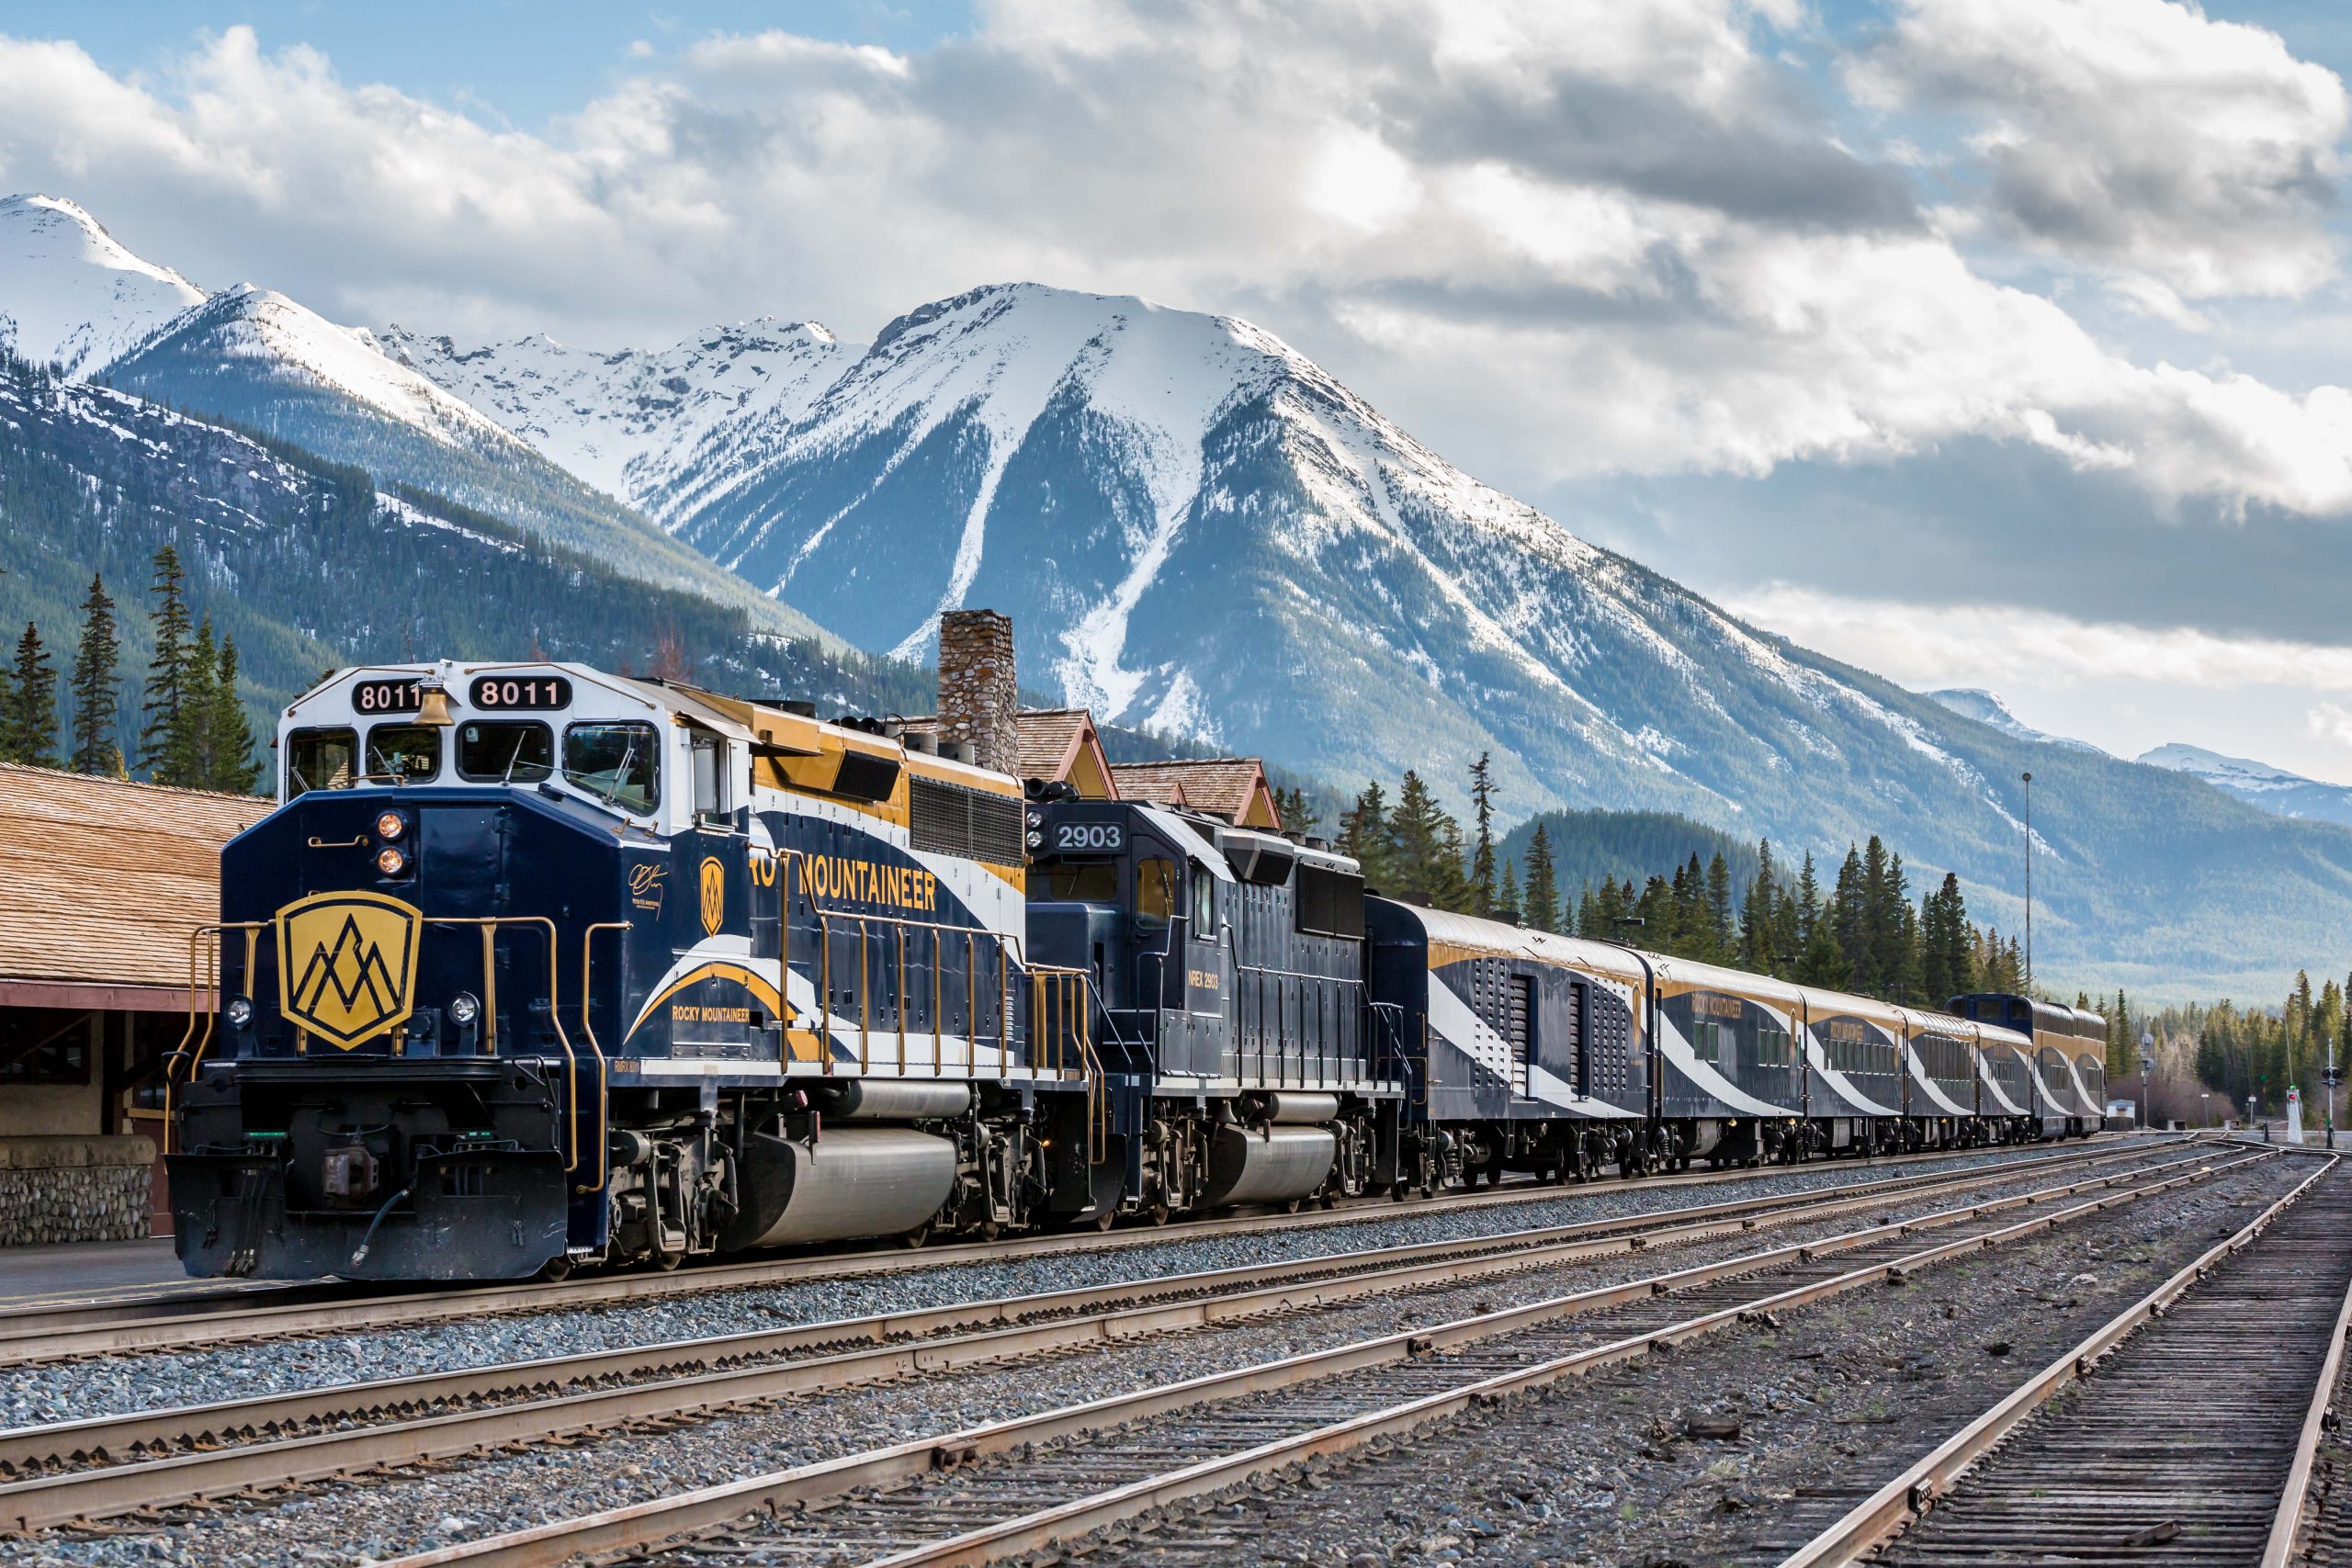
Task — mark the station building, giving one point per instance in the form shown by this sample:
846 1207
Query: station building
102 885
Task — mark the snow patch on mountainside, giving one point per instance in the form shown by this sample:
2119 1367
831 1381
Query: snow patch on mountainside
1987 709
2260 785
633 424
70 294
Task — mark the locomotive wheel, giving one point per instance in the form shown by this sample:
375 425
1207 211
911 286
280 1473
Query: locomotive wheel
916 1236
556 1270
1158 1212
667 1261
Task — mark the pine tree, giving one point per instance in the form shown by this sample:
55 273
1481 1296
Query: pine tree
1808 901
1720 936
94 689
1418 835
29 705
1364 837
166 738
1507 896
1756 950
1482 861
1543 898
1848 917
1823 962
228 734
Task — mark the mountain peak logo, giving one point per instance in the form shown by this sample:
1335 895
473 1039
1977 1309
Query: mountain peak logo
346 965
713 895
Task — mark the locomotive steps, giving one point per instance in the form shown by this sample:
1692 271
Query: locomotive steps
428 1416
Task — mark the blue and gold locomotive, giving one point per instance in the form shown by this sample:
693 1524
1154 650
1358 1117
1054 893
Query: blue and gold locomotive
538 966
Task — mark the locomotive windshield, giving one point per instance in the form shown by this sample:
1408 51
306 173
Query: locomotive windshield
403 754
506 752
613 762
318 759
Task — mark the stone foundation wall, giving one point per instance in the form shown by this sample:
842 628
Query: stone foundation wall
69 1188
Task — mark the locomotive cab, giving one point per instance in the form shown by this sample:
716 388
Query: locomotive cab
1231 970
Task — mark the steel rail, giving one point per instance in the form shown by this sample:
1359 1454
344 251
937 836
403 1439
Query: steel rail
1888 1511
35 1335
647 1524
2287 1524
699 1377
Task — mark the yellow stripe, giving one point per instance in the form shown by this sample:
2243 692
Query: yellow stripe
718 969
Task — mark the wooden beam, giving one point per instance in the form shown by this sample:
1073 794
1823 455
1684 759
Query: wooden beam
82 996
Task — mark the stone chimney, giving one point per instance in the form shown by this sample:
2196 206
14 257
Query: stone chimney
979 696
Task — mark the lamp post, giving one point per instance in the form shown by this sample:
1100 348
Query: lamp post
2028 884
2330 1113
2208 1098
2147 1060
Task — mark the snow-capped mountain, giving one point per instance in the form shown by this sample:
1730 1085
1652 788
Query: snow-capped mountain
74 295
1197 527
1986 707
630 422
2260 785
70 295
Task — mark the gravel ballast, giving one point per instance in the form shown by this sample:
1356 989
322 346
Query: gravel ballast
72 1391
1735 1449
385 1515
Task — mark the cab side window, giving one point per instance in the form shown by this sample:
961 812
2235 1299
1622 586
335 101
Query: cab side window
1204 921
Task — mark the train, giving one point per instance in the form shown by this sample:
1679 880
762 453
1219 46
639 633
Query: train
538 968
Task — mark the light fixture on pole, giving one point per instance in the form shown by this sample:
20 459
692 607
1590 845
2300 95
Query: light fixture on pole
2028 884
2147 1060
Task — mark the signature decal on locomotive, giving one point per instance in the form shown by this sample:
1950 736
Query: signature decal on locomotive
646 882
713 895
346 965
864 881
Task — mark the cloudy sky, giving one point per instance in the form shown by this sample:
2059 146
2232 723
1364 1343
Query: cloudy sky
1994 342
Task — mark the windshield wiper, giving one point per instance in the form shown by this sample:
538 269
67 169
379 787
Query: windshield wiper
620 775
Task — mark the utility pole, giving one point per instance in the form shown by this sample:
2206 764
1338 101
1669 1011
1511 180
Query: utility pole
2028 884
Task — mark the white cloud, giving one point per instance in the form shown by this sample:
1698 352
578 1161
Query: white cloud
2138 135
1555 239
2329 721
1996 646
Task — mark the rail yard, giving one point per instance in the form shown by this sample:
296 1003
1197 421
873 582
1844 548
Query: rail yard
928 1164
1929 1358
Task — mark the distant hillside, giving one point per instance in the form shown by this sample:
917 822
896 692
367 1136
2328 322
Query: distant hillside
307 564
1588 846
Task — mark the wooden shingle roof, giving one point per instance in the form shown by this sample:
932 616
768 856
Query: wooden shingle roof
102 881
1232 787
1046 740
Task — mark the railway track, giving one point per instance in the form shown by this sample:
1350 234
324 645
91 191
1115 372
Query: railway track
1014 1486
2183 1431
40 1331
176 1456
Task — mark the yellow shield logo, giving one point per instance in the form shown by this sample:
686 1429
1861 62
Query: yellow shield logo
346 965
713 895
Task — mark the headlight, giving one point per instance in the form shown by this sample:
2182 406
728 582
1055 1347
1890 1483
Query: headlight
1036 841
1036 818
463 1009
391 824
390 862
241 1010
